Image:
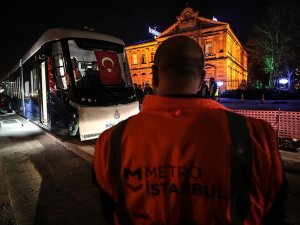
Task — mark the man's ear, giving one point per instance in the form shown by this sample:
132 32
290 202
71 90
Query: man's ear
155 79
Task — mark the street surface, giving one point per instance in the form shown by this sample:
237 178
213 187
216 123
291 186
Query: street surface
283 105
42 182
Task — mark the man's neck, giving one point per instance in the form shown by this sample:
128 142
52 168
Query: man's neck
181 96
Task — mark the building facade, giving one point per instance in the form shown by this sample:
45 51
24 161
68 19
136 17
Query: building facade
225 57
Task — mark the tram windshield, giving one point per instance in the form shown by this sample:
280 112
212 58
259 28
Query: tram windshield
99 64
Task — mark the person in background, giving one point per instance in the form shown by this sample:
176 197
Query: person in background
204 91
139 93
93 71
77 73
91 78
213 88
202 164
148 90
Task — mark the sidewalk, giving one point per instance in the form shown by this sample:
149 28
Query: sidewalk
83 149
291 162
42 182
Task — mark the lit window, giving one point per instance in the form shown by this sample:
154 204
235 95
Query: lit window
208 47
134 59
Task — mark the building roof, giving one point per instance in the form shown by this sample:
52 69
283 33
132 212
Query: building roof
192 23
142 42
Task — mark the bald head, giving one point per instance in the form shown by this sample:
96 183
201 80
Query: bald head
178 62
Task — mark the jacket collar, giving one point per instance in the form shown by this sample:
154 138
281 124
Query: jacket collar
151 102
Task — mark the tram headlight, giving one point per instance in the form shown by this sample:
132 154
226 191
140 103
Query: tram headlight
89 100
82 99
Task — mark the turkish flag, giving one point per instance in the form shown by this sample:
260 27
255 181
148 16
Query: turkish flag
110 71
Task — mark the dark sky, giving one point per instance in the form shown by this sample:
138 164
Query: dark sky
23 22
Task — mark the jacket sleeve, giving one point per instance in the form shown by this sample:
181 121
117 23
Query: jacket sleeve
269 174
277 213
277 183
106 200
102 176
101 163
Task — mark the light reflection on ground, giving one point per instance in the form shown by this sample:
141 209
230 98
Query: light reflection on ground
12 125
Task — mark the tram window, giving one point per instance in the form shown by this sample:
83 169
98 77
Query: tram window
61 77
19 87
13 89
83 53
76 68
34 83
27 76
26 94
60 71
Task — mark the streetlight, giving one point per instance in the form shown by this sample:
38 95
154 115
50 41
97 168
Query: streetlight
220 84
283 81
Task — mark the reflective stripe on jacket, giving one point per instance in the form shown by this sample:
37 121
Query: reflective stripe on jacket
176 166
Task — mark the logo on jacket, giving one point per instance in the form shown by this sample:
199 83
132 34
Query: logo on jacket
117 114
172 180
133 179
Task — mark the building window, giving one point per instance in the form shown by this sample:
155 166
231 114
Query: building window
230 48
134 59
143 59
242 59
208 48
152 57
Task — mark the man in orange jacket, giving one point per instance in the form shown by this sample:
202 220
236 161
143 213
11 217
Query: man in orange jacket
187 160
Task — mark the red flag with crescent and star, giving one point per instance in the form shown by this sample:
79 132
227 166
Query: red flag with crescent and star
110 72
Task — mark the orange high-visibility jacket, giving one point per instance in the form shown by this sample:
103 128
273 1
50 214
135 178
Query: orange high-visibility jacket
176 165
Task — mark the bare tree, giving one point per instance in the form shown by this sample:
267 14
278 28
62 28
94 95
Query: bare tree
275 43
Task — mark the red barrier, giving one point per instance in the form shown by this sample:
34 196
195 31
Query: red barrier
285 123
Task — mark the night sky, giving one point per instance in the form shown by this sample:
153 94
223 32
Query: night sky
23 22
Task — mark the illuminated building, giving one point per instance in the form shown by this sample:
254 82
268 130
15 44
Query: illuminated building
225 57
